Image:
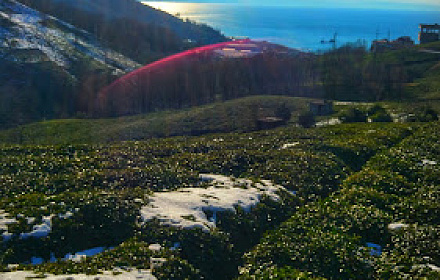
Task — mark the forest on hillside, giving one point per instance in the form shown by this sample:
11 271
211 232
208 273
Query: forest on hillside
134 35
348 73
204 79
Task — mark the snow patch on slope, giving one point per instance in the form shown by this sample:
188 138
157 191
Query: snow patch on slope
78 256
187 207
40 230
4 222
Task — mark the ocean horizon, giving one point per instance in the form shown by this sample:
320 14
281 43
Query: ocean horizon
303 28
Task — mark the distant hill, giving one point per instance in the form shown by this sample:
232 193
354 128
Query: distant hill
48 67
136 30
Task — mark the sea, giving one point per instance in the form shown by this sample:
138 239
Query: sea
303 28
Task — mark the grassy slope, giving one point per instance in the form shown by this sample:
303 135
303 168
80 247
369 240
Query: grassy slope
231 116
105 182
328 236
422 66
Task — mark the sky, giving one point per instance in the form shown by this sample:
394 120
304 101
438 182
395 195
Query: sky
379 4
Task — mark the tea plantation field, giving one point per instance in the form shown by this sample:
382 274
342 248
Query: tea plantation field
351 201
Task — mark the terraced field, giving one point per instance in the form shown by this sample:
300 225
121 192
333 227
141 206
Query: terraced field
352 201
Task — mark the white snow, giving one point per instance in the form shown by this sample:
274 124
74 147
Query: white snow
38 231
24 18
433 267
428 162
186 207
66 215
332 121
155 247
396 226
41 230
77 257
60 46
4 222
290 145
117 274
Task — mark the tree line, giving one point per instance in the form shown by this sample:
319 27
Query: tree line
203 79
353 73
32 92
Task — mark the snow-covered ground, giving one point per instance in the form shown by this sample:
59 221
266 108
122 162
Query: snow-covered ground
4 222
290 145
117 274
332 121
40 230
78 256
187 207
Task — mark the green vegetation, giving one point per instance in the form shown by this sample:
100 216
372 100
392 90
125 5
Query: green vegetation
103 186
360 199
352 73
306 119
239 115
129 27
329 237
379 114
352 115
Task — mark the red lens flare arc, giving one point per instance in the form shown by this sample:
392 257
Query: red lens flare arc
165 61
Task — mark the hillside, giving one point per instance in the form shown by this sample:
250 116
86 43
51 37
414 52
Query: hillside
212 73
137 146
240 115
49 67
136 30
352 73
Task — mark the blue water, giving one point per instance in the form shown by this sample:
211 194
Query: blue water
303 28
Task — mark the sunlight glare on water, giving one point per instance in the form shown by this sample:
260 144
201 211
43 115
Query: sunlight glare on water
302 27
174 8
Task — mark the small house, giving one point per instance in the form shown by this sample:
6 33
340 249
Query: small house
429 33
384 44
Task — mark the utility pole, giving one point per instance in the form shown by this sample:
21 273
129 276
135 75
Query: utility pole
335 35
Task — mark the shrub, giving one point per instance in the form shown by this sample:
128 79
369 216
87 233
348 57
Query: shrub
375 109
378 114
283 112
352 115
381 117
425 114
306 119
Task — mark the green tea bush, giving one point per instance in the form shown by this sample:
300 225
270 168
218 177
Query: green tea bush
352 115
306 120
274 272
